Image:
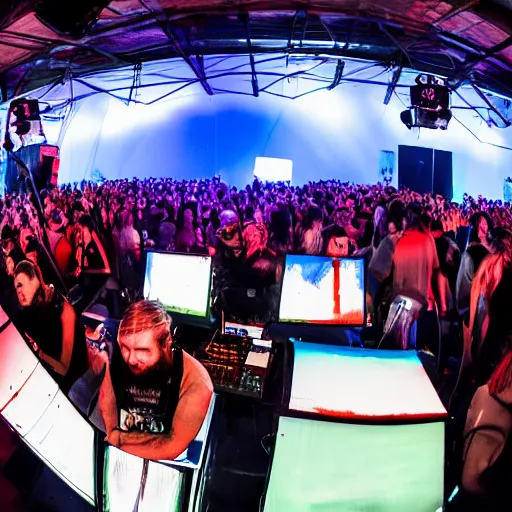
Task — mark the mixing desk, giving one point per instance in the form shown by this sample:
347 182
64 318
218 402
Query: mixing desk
237 364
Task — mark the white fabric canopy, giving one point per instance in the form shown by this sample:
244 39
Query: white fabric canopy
188 134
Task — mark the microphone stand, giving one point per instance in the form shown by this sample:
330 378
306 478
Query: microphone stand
26 173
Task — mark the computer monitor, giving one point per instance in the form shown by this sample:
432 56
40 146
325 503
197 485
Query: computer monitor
321 290
363 430
353 383
348 467
181 282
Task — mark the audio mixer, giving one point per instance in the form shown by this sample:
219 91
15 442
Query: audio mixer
237 364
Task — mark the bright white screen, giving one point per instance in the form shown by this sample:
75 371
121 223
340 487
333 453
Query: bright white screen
273 169
349 382
65 441
181 282
123 477
43 416
335 467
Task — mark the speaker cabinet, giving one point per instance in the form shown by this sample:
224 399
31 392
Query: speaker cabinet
42 160
443 173
425 170
70 17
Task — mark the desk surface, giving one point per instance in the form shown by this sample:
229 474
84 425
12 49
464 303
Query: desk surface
365 384
193 456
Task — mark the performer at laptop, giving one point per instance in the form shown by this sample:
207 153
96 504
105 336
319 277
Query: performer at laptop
154 397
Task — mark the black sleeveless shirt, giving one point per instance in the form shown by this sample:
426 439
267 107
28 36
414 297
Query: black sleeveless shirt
146 403
43 324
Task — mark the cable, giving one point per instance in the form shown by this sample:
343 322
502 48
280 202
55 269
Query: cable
267 451
393 323
479 140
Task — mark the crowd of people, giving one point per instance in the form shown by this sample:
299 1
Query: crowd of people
451 263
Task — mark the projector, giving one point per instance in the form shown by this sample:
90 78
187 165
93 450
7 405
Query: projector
416 117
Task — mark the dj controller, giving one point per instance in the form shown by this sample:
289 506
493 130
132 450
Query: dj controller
237 364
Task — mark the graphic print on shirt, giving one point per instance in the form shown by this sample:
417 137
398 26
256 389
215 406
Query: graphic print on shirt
144 410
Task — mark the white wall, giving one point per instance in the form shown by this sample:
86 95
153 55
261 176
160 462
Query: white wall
337 133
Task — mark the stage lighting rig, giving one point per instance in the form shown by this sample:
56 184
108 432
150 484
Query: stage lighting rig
430 104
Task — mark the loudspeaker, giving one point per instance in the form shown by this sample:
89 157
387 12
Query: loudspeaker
23 124
42 160
415 168
25 109
70 17
443 173
425 170
50 163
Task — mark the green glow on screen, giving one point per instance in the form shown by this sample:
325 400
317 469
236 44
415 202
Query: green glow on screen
321 466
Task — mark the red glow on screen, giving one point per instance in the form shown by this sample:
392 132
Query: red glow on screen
350 415
351 318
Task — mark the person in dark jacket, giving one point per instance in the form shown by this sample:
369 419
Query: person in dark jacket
51 324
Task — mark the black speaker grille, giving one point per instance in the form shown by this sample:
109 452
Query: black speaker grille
70 17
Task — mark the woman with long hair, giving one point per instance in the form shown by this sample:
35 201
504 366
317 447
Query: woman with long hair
311 240
489 334
477 249
127 245
189 236
486 446
51 324
490 321
280 229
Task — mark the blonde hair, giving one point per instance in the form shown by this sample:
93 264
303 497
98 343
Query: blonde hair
146 315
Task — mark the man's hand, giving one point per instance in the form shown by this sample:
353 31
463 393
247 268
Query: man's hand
114 438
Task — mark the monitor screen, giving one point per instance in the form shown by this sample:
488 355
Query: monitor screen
320 290
181 282
128 485
33 405
359 383
328 466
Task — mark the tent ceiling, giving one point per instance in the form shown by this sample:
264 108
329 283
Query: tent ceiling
464 40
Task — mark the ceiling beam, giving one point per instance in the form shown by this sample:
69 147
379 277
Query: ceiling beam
328 30
3 89
465 70
195 63
300 22
392 86
254 75
500 46
456 11
491 106
338 75
398 44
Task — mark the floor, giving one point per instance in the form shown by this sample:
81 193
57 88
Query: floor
238 475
